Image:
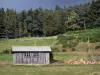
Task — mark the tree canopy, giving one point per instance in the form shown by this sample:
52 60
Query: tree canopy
48 22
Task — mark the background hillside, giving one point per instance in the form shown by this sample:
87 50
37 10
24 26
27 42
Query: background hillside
80 41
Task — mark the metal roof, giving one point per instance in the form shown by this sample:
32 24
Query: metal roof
30 48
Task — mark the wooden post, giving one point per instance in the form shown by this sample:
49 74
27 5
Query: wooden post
35 43
88 45
84 24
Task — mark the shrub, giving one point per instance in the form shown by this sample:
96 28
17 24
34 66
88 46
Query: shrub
97 47
51 57
6 51
67 41
55 49
1 52
95 73
63 50
73 49
87 49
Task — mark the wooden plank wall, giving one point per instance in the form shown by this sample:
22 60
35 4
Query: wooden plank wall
32 58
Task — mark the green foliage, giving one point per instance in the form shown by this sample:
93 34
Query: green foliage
44 22
49 25
73 49
71 23
72 39
60 21
97 47
67 41
6 51
51 57
55 49
93 15
63 50
25 31
2 18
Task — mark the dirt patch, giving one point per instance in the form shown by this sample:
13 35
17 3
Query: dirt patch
77 62
81 61
5 63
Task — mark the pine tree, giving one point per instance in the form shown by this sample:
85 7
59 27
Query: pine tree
94 14
25 32
2 26
49 25
72 21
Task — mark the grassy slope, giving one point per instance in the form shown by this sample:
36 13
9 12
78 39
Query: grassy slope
8 43
79 40
88 31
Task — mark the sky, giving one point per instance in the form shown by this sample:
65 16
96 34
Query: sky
19 5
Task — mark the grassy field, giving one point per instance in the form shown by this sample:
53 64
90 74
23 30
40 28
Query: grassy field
50 70
6 67
6 58
70 56
9 57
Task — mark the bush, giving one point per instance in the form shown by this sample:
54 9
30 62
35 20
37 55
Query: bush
6 51
73 49
63 50
65 38
55 49
51 57
70 44
1 52
67 41
97 47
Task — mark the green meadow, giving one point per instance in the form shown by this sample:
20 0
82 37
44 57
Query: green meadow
50 70
7 68
6 60
9 57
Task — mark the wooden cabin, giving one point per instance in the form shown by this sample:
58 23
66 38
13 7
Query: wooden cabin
24 55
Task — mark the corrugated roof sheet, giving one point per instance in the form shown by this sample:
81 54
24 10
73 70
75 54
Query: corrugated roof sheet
30 48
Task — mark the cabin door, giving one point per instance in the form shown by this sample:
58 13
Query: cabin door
35 58
27 58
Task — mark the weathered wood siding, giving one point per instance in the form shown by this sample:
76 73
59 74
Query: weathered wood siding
31 58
